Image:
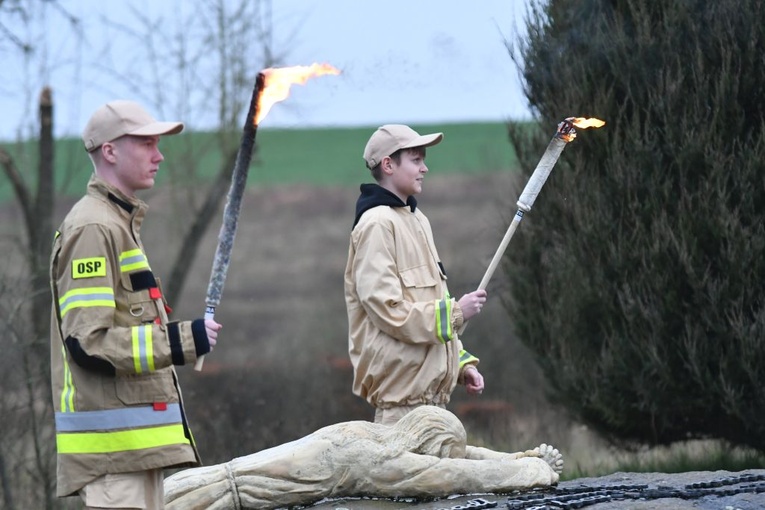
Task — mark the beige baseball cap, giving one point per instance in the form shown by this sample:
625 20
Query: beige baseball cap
392 137
121 117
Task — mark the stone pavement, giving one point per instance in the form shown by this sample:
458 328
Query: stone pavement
699 490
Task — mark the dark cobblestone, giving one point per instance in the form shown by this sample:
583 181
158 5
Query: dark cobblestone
698 490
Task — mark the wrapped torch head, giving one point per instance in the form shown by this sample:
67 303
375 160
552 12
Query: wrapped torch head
565 133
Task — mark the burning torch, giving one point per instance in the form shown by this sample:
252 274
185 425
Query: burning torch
565 133
271 86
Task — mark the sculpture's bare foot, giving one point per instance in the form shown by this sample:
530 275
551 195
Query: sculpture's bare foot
551 455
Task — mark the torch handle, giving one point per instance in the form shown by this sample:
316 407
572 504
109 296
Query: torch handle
501 250
497 257
227 232
527 198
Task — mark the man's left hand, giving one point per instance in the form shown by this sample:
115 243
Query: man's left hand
473 380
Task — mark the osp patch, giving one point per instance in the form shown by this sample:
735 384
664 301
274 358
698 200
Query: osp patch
89 268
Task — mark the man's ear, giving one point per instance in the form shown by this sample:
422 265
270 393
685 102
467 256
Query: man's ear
107 152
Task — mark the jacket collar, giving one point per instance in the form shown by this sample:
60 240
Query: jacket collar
373 195
100 187
131 207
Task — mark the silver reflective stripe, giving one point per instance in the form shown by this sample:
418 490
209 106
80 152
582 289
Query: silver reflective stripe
131 417
67 392
443 320
133 259
142 348
104 296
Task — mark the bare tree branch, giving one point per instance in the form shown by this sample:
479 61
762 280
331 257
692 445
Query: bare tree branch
6 32
40 223
19 186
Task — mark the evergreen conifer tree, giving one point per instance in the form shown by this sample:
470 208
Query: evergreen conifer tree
637 279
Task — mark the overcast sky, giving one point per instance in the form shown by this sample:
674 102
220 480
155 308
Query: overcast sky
409 61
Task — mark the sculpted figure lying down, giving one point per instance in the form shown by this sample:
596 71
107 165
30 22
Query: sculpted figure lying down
422 455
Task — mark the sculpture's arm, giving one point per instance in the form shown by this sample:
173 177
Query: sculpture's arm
546 452
479 453
423 475
205 487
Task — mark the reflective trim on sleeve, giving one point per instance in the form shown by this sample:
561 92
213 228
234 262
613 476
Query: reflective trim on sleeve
444 319
143 349
111 419
132 260
121 441
86 297
466 357
67 391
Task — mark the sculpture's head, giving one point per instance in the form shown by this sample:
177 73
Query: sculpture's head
431 430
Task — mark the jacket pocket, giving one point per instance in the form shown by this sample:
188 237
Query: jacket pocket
146 389
418 277
137 287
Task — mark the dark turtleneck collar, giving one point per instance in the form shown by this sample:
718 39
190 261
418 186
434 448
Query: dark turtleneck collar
127 206
99 187
373 195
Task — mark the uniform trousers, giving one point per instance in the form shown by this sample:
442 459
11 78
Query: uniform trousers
141 490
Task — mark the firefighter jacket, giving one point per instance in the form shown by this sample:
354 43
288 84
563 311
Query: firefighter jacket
118 406
403 323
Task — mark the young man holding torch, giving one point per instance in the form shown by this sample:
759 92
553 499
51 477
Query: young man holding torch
118 408
403 324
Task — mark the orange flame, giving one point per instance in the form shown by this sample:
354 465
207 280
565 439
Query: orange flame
279 79
583 123
566 131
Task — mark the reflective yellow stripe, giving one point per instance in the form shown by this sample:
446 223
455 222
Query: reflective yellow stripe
466 357
67 392
132 260
143 349
122 441
86 297
444 319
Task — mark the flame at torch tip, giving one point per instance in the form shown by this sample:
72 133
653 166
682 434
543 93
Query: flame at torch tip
583 123
279 79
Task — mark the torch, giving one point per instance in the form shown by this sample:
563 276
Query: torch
271 86
565 133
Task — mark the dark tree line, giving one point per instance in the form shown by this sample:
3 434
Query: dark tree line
637 278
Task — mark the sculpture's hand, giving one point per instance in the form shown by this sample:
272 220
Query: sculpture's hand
530 453
551 455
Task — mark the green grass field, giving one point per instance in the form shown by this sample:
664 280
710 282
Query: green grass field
319 157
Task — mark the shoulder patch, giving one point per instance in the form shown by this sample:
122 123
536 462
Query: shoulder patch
89 268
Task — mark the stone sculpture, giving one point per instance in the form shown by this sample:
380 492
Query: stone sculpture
423 455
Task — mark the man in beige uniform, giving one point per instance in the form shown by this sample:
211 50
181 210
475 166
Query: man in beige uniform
403 323
118 408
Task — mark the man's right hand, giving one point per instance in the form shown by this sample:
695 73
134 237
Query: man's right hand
472 303
212 328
